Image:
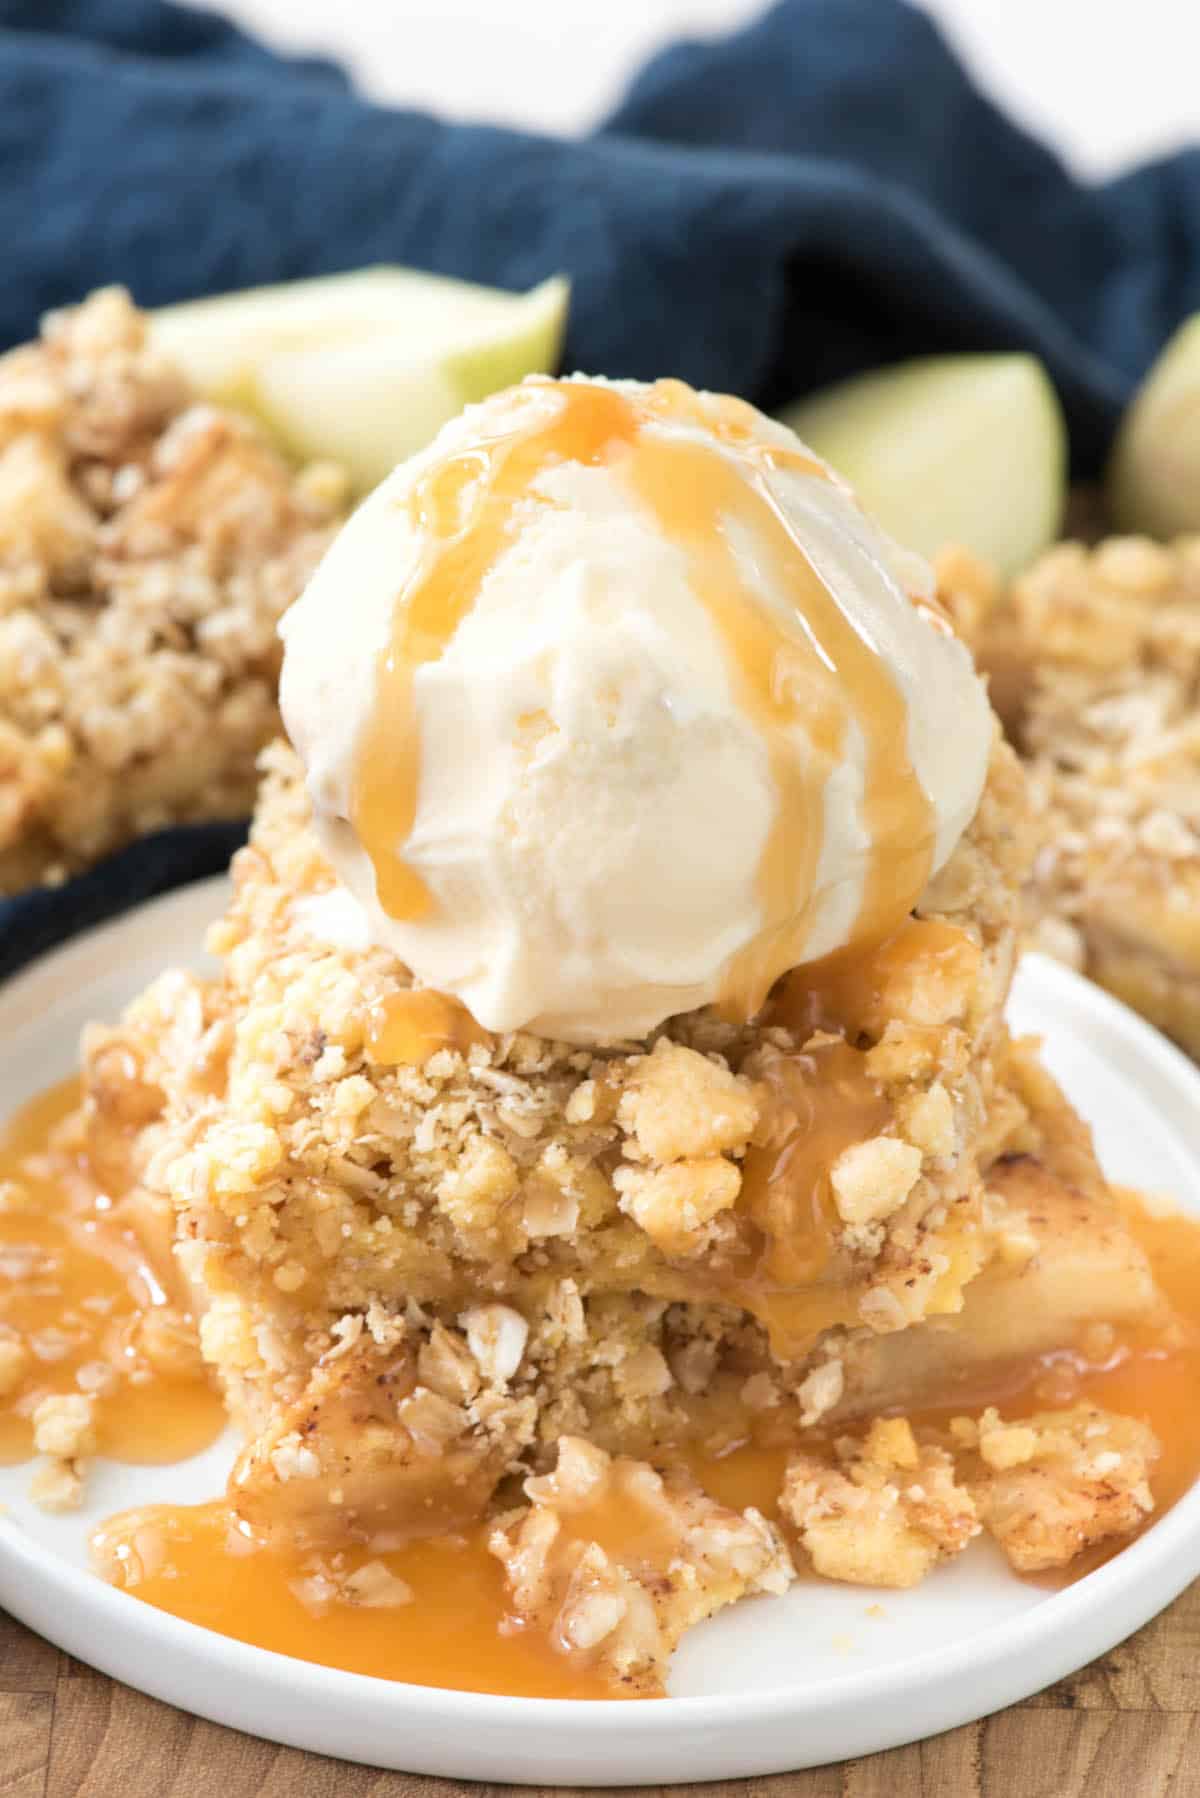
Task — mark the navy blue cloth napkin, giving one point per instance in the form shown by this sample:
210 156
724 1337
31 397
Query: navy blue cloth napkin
823 191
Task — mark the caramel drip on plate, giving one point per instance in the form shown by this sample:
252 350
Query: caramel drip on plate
409 1026
202 1563
205 1563
801 670
86 1295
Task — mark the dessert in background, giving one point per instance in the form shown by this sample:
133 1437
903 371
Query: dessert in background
600 1172
149 544
1094 663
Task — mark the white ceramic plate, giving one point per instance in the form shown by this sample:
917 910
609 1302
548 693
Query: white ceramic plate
775 1683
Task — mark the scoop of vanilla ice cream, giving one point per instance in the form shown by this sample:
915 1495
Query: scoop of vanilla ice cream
594 798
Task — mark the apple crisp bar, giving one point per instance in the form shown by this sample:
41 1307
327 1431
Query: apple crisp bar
148 547
313 1180
502 1280
1094 659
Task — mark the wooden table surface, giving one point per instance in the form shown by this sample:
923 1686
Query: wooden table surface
1126 1727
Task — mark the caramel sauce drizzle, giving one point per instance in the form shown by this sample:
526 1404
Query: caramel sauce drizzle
410 1025
803 673
822 1102
856 994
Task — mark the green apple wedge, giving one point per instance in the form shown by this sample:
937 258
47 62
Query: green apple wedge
1153 481
365 367
949 449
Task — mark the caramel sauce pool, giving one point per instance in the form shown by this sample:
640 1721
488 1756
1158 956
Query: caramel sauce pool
89 1295
456 1630
453 1633
803 673
202 1563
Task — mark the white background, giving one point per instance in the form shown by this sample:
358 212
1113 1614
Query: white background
1107 81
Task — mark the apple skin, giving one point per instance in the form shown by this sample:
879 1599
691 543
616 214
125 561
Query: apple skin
362 368
964 449
1153 479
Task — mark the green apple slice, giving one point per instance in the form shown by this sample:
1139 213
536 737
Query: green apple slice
219 342
949 449
363 367
372 403
1153 482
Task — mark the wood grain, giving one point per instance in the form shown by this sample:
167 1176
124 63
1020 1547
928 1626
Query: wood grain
1129 1724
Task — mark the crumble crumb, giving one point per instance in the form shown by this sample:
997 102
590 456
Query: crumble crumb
375 1587
821 1390
678 1105
63 1426
1049 1486
496 1337
872 1180
58 1485
674 1204
680 1557
324 1583
886 1515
